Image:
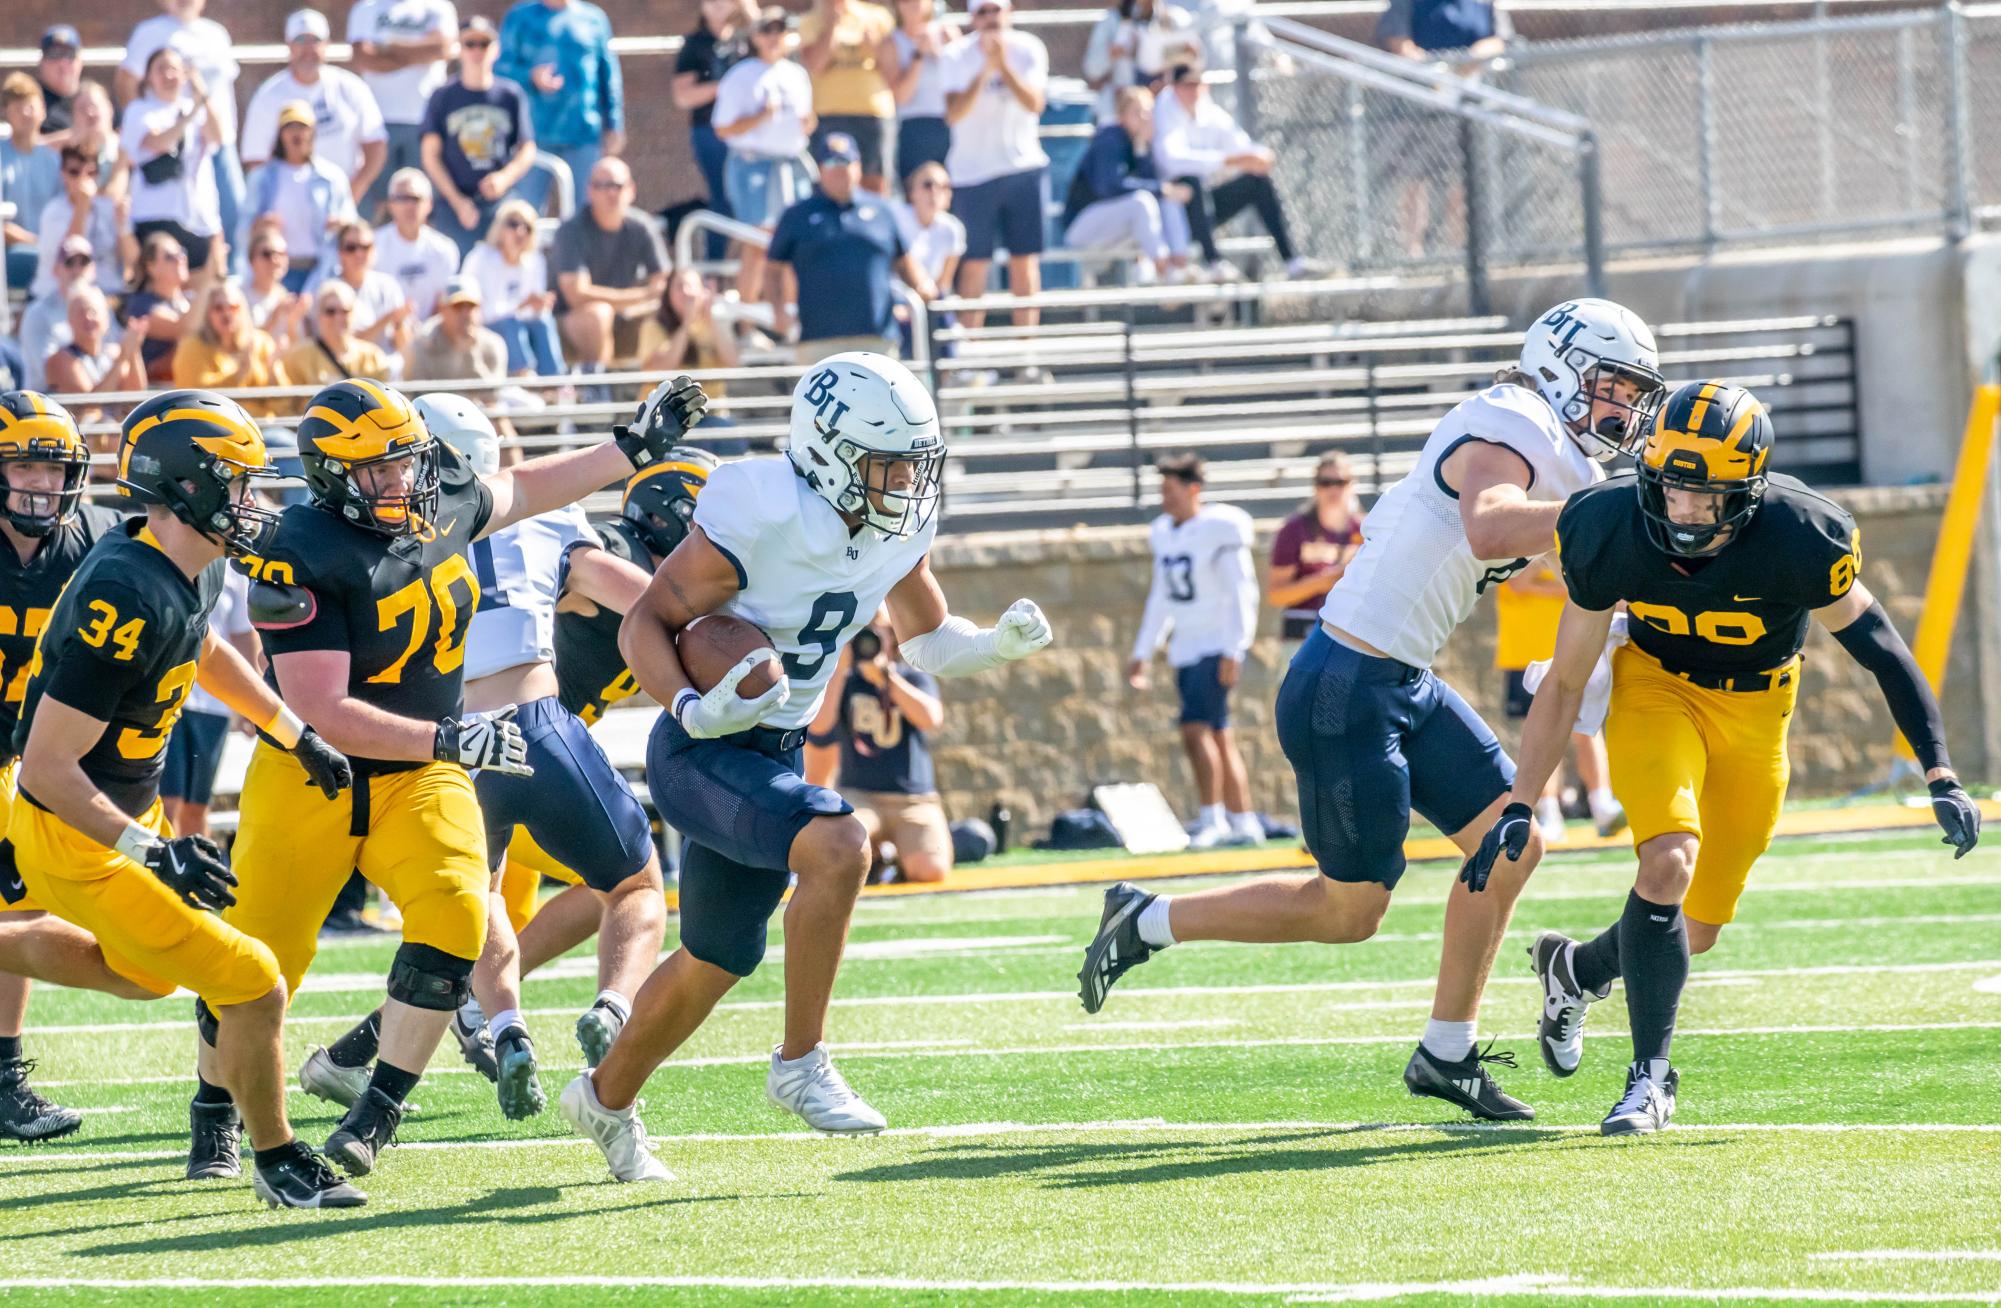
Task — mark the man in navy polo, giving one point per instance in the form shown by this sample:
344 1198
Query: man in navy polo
837 249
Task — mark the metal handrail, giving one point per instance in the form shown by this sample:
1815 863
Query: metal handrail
1570 48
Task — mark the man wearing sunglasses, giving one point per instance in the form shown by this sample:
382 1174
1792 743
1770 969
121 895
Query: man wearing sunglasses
59 74
478 138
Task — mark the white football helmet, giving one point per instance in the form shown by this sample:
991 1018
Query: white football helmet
1577 346
464 426
860 420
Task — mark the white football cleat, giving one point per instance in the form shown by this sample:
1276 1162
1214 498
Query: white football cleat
815 1090
622 1136
1209 837
323 1077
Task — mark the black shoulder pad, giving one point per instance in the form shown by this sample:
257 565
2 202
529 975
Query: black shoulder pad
275 607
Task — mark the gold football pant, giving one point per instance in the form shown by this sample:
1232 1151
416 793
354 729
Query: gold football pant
423 843
527 864
149 935
1711 763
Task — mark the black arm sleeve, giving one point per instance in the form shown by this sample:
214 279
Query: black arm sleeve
1875 644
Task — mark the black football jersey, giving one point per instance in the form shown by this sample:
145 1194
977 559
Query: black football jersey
399 606
122 645
591 675
1745 609
28 593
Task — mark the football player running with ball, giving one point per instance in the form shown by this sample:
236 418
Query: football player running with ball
124 645
806 546
363 601
1372 734
1721 563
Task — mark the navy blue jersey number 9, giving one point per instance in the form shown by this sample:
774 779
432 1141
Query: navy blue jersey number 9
831 614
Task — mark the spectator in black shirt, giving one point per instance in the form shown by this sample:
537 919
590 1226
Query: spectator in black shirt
60 73
479 141
706 54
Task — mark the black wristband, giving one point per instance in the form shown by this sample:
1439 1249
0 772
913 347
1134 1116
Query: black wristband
1944 786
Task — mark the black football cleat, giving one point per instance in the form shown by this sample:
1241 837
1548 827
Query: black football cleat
1117 948
215 1143
1560 1030
368 1129
475 1046
304 1179
520 1089
1466 1083
1646 1107
26 1115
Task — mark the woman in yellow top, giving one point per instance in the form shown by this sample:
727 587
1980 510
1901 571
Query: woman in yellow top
328 351
1528 606
226 351
846 46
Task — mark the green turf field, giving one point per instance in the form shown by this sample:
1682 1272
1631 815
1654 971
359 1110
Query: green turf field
1232 1129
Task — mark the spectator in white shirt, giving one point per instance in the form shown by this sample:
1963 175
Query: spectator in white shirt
421 258
1197 143
381 310
206 46
1134 44
306 194
168 134
84 210
351 135
274 308
764 113
934 239
44 324
513 279
400 50
921 39
996 84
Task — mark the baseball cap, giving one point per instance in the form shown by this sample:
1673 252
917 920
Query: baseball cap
776 15
478 23
460 290
61 34
307 22
838 147
974 6
297 111
73 246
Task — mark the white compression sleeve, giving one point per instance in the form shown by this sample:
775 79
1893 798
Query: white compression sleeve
955 649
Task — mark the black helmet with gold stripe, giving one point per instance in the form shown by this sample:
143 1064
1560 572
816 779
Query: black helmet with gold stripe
369 457
197 454
1702 470
34 429
659 500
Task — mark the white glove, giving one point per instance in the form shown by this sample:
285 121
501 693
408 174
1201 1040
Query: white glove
491 741
722 712
1021 631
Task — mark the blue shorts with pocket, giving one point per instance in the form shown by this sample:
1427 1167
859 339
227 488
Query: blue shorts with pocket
1004 213
759 190
1204 697
740 801
1372 739
577 806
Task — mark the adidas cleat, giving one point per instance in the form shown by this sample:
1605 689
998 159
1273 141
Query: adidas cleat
368 1129
1117 948
1560 1033
26 1115
1466 1083
215 1143
305 1180
520 1090
621 1135
1646 1107
596 1029
815 1089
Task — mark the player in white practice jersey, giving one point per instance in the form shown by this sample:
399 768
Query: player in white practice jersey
1204 604
1372 734
807 547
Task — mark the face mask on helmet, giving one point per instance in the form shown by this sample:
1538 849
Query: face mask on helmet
897 492
395 493
239 523
1692 517
1612 408
43 493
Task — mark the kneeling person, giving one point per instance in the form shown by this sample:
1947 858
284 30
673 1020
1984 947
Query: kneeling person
121 650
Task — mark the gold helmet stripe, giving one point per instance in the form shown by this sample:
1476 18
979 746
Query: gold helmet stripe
700 476
46 424
240 442
370 436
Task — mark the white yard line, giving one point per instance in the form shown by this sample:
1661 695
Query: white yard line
1909 1256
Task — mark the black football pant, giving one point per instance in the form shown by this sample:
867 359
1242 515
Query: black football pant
1211 208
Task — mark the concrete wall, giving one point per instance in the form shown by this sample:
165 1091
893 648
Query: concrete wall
1040 734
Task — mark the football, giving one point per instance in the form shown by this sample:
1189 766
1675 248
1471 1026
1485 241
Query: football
711 645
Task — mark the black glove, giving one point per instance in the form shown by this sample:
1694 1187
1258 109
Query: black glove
673 410
326 767
1957 816
192 867
1511 834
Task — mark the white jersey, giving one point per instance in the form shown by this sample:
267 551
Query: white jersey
806 580
520 570
1415 578
1204 598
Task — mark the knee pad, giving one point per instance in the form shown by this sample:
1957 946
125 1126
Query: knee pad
423 977
724 908
205 1022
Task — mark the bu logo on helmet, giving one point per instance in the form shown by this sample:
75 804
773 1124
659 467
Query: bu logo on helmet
820 394
1562 316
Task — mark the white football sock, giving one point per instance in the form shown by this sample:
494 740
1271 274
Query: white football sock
1452 1041
1549 813
1212 815
1247 824
616 1002
499 1022
1603 805
1153 925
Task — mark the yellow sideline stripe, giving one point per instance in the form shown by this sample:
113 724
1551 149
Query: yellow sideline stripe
1805 822
1946 583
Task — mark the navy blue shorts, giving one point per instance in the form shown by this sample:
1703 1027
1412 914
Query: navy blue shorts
1204 698
577 806
194 753
1005 213
740 802
1372 739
